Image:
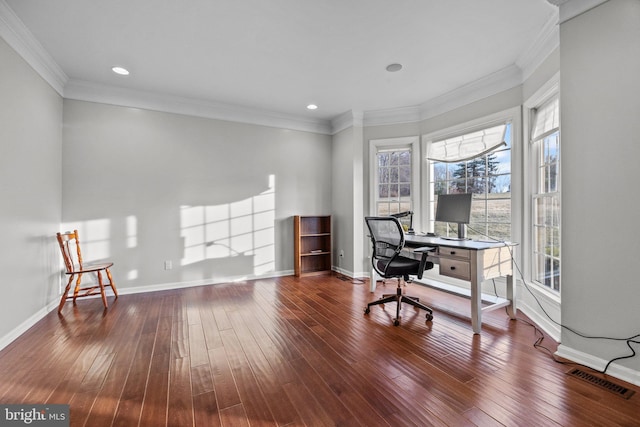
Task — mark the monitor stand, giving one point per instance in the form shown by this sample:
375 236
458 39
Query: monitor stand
462 234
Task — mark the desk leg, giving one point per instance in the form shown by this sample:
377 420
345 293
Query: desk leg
373 281
476 295
511 286
511 296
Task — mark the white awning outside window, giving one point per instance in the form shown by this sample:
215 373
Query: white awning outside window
468 146
546 119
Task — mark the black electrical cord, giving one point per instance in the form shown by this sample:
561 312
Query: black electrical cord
540 334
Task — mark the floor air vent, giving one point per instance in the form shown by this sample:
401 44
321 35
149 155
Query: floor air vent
602 383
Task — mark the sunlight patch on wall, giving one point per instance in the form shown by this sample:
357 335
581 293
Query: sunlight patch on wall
241 228
95 238
132 231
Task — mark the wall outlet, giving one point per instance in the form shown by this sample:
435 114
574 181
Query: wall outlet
168 265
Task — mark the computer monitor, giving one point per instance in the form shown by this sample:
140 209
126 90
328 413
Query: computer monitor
455 208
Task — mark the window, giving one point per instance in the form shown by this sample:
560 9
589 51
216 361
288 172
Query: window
477 162
545 146
394 181
395 176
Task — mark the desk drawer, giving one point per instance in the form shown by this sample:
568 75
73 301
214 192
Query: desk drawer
457 268
454 252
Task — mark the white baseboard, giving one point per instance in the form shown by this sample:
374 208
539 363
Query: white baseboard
350 273
36 317
542 321
24 326
201 282
615 370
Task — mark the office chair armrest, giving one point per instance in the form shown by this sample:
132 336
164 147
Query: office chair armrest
424 250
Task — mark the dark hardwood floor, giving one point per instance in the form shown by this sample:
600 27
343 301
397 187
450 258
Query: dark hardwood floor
295 352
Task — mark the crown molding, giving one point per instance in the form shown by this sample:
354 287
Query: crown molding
88 91
346 120
16 34
502 80
569 9
546 42
392 116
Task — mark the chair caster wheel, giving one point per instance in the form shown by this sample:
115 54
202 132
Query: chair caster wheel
366 310
396 322
429 317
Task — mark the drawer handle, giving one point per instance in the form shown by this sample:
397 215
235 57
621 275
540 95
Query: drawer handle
453 252
453 268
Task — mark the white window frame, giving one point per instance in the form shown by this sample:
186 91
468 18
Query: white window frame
542 295
411 142
512 115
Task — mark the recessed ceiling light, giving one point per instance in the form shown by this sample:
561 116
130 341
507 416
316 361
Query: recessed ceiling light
392 68
120 70
312 107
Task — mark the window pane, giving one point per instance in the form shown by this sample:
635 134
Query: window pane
383 159
383 209
499 231
546 201
507 136
499 210
393 159
394 181
500 184
405 158
404 207
439 172
393 175
488 177
478 212
393 190
383 175
405 173
500 163
458 186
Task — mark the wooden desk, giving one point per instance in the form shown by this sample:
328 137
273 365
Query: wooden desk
474 262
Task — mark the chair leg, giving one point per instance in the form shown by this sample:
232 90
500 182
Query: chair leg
77 288
65 293
399 298
102 292
414 302
383 300
113 285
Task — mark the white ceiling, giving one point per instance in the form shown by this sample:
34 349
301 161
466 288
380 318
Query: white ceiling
278 56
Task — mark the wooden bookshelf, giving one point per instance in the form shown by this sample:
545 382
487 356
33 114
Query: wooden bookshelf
312 245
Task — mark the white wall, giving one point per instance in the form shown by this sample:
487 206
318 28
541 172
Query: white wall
215 198
348 211
30 191
600 111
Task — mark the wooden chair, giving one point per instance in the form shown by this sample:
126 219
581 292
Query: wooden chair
75 267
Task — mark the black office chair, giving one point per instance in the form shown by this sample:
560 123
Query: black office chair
387 239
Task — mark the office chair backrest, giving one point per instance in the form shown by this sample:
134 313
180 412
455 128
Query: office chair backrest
387 237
